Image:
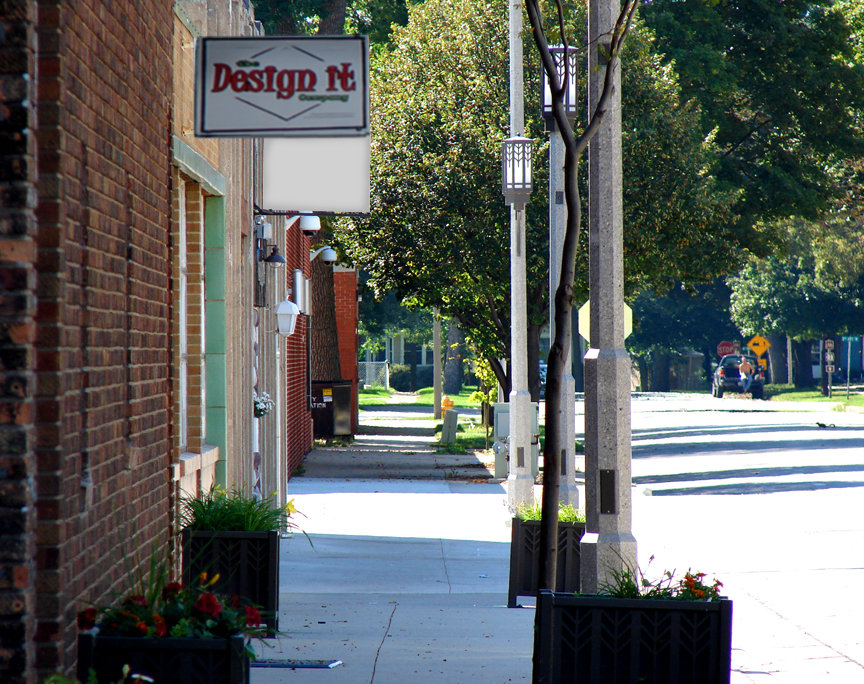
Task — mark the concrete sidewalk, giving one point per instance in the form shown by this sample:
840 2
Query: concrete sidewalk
406 582
407 579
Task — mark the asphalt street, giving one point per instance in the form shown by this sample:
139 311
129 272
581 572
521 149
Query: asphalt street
407 579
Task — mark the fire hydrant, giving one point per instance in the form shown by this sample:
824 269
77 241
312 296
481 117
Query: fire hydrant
446 404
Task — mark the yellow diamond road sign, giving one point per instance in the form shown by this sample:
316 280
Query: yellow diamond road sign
585 320
758 345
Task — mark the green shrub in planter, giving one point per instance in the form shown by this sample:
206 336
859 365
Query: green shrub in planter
236 537
525 551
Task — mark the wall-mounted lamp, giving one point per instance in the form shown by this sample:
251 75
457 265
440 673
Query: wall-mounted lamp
309 224
327 253
275 258
286 317
263 233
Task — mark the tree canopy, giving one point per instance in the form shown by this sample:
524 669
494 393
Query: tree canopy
779 84
438 233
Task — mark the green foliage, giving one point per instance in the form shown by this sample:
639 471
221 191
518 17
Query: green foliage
566 513
438 234
221 510
694 317
400 377
157 607
632 584
778 84
801 294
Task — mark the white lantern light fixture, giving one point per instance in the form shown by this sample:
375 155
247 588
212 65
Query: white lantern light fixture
286 317
566 69
516 170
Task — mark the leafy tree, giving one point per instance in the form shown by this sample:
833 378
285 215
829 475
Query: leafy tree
778 83
439 230
575 144
371 17
695 317
798 295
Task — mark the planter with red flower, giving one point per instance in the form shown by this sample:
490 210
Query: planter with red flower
172 633
666 632
236 537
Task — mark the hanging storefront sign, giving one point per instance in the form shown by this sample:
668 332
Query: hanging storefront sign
316 175
282 87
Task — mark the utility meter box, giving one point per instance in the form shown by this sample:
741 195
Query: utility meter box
501 413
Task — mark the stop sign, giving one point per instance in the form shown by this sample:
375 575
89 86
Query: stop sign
725 348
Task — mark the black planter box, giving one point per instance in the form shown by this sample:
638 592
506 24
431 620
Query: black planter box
247 563
603 640
167 661
525 552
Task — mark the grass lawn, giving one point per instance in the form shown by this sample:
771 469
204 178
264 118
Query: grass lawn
374 396
470 436
838 395
425 397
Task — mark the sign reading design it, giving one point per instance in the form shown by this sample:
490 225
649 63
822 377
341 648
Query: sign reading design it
287 86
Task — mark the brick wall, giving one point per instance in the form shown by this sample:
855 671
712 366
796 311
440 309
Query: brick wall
103 334
17 308
345 286
299 418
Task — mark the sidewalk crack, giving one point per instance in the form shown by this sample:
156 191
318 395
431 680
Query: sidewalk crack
383 639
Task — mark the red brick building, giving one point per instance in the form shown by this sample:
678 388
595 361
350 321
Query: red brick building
85 339
101 188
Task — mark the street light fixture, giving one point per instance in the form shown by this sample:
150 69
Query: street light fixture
566 69
516 181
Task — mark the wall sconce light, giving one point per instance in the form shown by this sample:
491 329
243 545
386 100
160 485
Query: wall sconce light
263 233
286 317
327 253
309 224
275 258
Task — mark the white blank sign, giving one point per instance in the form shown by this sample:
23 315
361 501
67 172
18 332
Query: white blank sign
317 175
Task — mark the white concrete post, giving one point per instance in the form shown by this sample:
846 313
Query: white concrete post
520 481
608 544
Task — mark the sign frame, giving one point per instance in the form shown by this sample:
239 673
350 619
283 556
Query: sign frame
325 92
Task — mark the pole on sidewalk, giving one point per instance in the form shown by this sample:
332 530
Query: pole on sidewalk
437 381
608 545
567 492
520 480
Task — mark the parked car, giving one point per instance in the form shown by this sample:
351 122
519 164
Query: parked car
727 377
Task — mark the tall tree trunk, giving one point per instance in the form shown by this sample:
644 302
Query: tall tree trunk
453 368
803 365
333 18
777 358
659 371
325 348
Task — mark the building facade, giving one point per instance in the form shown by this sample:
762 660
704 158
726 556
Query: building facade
136 313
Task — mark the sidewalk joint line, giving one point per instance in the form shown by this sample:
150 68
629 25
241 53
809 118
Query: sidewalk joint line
444 563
